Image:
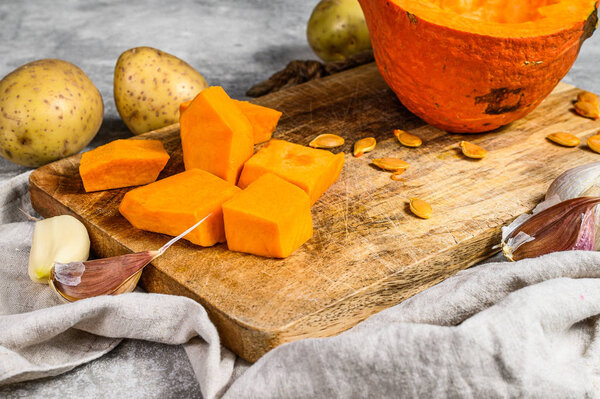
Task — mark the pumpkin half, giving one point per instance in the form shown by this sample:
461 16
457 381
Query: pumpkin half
474 65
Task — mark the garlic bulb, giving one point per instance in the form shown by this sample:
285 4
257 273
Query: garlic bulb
580 181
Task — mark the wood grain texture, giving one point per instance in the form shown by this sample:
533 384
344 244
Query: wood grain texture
368 251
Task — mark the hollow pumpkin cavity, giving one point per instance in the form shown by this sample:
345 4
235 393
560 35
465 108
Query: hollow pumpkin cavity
501 17
503 11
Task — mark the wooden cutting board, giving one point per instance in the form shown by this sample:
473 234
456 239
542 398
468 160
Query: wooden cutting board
368 251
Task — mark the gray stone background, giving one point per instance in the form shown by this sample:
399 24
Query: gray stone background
234 44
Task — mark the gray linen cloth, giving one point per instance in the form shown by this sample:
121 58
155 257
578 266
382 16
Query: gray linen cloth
500 329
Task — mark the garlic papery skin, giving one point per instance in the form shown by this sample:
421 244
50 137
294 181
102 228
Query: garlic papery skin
580 181
513 243
68 273
568 225
61 239
507 231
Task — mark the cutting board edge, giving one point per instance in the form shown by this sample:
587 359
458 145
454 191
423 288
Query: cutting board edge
251 342
394 286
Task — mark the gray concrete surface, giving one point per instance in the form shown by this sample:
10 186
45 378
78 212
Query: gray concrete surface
233 44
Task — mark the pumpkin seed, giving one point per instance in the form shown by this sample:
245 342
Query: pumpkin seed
587 97
594 143
472 150
390 164
588 110
565 139
407 139
327 141
420 208
364 145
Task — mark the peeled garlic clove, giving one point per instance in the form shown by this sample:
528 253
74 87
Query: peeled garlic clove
60 239
568 225
327 141
576 182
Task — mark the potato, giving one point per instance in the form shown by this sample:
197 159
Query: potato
149 85
337 29
49 109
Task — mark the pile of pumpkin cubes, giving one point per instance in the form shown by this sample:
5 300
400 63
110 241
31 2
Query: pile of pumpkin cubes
260 203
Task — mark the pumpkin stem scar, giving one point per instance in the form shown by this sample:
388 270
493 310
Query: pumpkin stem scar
413 19
497 100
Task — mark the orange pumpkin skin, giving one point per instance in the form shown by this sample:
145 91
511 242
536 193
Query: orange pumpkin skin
468 82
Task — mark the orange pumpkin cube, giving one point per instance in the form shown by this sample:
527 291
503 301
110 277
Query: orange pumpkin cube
311 169
271 217
215 135
172 205
263 120
122 163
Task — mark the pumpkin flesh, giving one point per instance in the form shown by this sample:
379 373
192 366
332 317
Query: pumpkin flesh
215 135
263 120
122 163
473 66
271 217
311 169
172 205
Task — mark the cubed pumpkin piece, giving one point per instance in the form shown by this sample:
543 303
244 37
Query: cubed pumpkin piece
271 217
263 119
172 205
215 135
311 169
122 163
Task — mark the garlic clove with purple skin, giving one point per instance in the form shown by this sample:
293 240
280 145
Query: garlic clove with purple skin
77 280
567 225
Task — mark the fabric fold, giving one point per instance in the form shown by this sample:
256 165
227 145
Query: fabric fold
31 343
500 330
